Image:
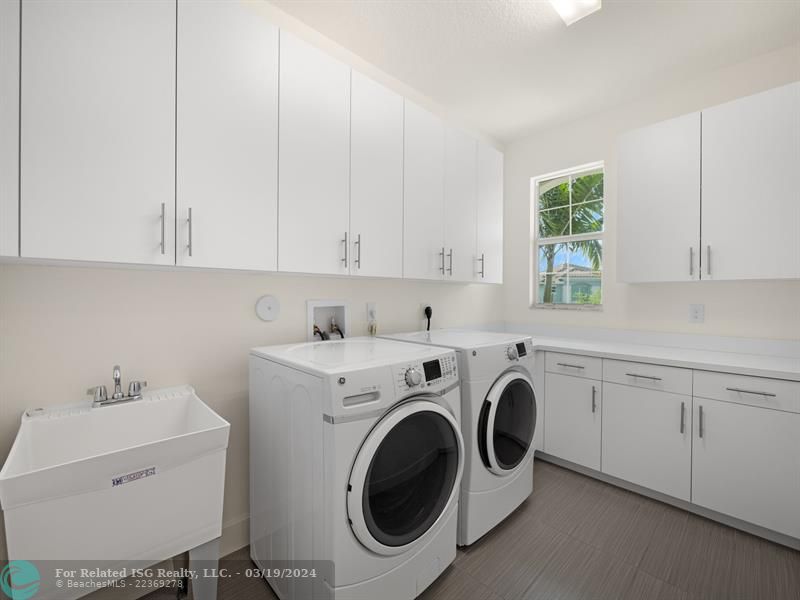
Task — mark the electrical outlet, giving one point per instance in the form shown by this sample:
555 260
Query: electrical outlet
421 314
697 313
372 311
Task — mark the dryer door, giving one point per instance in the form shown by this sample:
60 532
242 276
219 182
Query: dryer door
506 423
406 476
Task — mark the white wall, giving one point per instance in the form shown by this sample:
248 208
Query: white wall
62 329
767 309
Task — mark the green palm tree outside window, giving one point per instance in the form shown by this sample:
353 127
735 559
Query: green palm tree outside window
570 205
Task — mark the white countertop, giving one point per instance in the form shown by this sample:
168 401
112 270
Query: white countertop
776 367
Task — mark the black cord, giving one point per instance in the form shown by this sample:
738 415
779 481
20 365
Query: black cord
429 314
336 328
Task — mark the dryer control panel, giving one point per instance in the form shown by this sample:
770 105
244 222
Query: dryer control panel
419 376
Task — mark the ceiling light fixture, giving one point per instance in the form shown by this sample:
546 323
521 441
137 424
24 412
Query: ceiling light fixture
571 11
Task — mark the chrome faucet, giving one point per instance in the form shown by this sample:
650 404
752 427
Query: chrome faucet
117 395
100 396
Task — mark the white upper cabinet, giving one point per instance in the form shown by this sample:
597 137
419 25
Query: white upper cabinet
376 180
423 223
751 203
9 126
489 239
460 202
227 136
314 190
98 131
659 196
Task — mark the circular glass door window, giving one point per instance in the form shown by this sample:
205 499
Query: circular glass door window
410 478
507 423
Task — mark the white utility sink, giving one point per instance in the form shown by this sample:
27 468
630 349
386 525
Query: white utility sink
135 481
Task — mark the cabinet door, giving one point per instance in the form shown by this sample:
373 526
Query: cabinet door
573 408
746 463
647 438
489 242
227 136
9 125
423 195
751 153
376 180
314 180
460 199
98 130
659 196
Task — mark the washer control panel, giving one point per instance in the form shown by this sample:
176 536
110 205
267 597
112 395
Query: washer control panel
421 375
518 350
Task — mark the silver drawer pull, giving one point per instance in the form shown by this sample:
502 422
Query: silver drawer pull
571 366
189 221
683 416
594 403
643 376
700 424
163 227
741 391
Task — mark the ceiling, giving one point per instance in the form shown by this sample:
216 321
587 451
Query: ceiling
510 67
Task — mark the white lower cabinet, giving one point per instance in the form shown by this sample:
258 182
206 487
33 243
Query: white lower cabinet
572 419
746 463
647 438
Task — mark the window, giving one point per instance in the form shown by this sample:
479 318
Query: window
568 237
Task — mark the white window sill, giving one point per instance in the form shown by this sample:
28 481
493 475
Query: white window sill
590 307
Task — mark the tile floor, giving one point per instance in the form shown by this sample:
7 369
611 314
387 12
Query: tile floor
579 538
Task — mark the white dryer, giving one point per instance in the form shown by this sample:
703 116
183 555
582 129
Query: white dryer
499 414
356 459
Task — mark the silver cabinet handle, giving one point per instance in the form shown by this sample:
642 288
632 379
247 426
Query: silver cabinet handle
189 220
571 366
450 268
753 392
482 260
683 416
344 241
708 259
163 227
651 377
594 403
700 423
442 255
691 261
357 243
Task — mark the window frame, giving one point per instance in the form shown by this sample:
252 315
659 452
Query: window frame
535 242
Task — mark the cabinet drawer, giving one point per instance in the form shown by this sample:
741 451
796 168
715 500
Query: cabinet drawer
574 364
742 389
644 375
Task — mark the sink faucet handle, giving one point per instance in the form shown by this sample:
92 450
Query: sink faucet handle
135 388
99 393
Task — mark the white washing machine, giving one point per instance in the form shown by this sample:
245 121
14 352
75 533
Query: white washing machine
356 459
499 413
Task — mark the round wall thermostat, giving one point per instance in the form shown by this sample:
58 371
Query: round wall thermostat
268 308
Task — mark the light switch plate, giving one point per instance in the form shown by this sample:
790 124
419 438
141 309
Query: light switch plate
697 313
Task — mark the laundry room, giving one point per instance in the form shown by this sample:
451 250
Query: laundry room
356 299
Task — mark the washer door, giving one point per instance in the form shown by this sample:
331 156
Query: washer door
406 475
506 423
